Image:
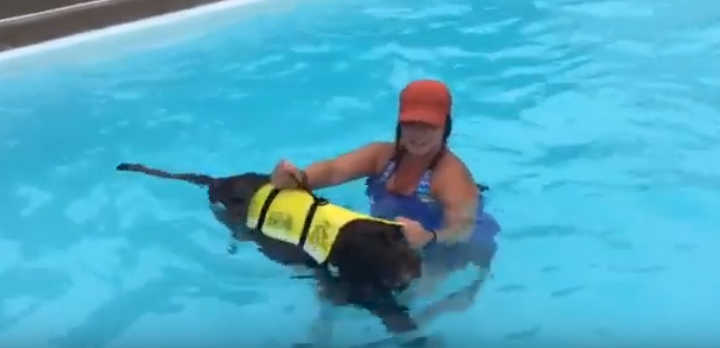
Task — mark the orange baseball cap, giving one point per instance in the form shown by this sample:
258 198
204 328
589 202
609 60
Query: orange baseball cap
426 101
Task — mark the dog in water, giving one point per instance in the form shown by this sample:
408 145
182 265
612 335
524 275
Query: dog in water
356 259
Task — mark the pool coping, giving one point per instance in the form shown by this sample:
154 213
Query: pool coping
55 23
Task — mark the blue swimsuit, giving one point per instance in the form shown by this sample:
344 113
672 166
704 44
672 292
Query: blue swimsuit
421 207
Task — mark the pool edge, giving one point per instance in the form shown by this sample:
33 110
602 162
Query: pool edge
107 18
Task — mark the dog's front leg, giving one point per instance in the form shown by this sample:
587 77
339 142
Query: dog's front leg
397 320
322 328
384 305
330 296
321 331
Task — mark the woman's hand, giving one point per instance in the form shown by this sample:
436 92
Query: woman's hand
415 233
285 175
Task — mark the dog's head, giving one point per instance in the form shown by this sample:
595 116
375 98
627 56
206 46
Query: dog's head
375 253
234 193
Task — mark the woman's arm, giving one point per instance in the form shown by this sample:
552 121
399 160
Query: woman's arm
353 165
455 189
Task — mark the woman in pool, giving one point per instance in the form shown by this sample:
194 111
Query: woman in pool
418 181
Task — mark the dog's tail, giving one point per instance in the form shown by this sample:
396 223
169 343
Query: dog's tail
197 179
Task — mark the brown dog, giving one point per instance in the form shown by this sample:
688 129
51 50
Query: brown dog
366 264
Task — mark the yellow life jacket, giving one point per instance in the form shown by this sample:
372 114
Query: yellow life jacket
293 216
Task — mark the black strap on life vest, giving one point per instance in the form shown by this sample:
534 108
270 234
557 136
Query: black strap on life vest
397 157
317 202
266 206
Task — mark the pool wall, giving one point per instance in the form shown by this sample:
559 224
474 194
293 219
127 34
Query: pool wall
19 28
118 28
71 17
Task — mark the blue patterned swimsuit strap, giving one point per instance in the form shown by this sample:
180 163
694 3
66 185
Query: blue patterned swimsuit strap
424 184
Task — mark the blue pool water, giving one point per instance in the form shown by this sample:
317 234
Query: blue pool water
594 122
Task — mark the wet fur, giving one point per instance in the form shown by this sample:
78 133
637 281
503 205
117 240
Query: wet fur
372 259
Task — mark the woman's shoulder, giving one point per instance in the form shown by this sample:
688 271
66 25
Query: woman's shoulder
452 168
384 145
383 152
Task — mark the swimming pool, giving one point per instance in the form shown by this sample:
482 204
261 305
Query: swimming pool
595 124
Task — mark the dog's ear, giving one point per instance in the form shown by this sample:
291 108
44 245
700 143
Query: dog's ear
392 235
402 255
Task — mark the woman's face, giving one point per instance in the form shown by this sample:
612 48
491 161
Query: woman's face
420 138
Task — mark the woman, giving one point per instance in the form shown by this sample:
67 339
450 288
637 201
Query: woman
418 181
